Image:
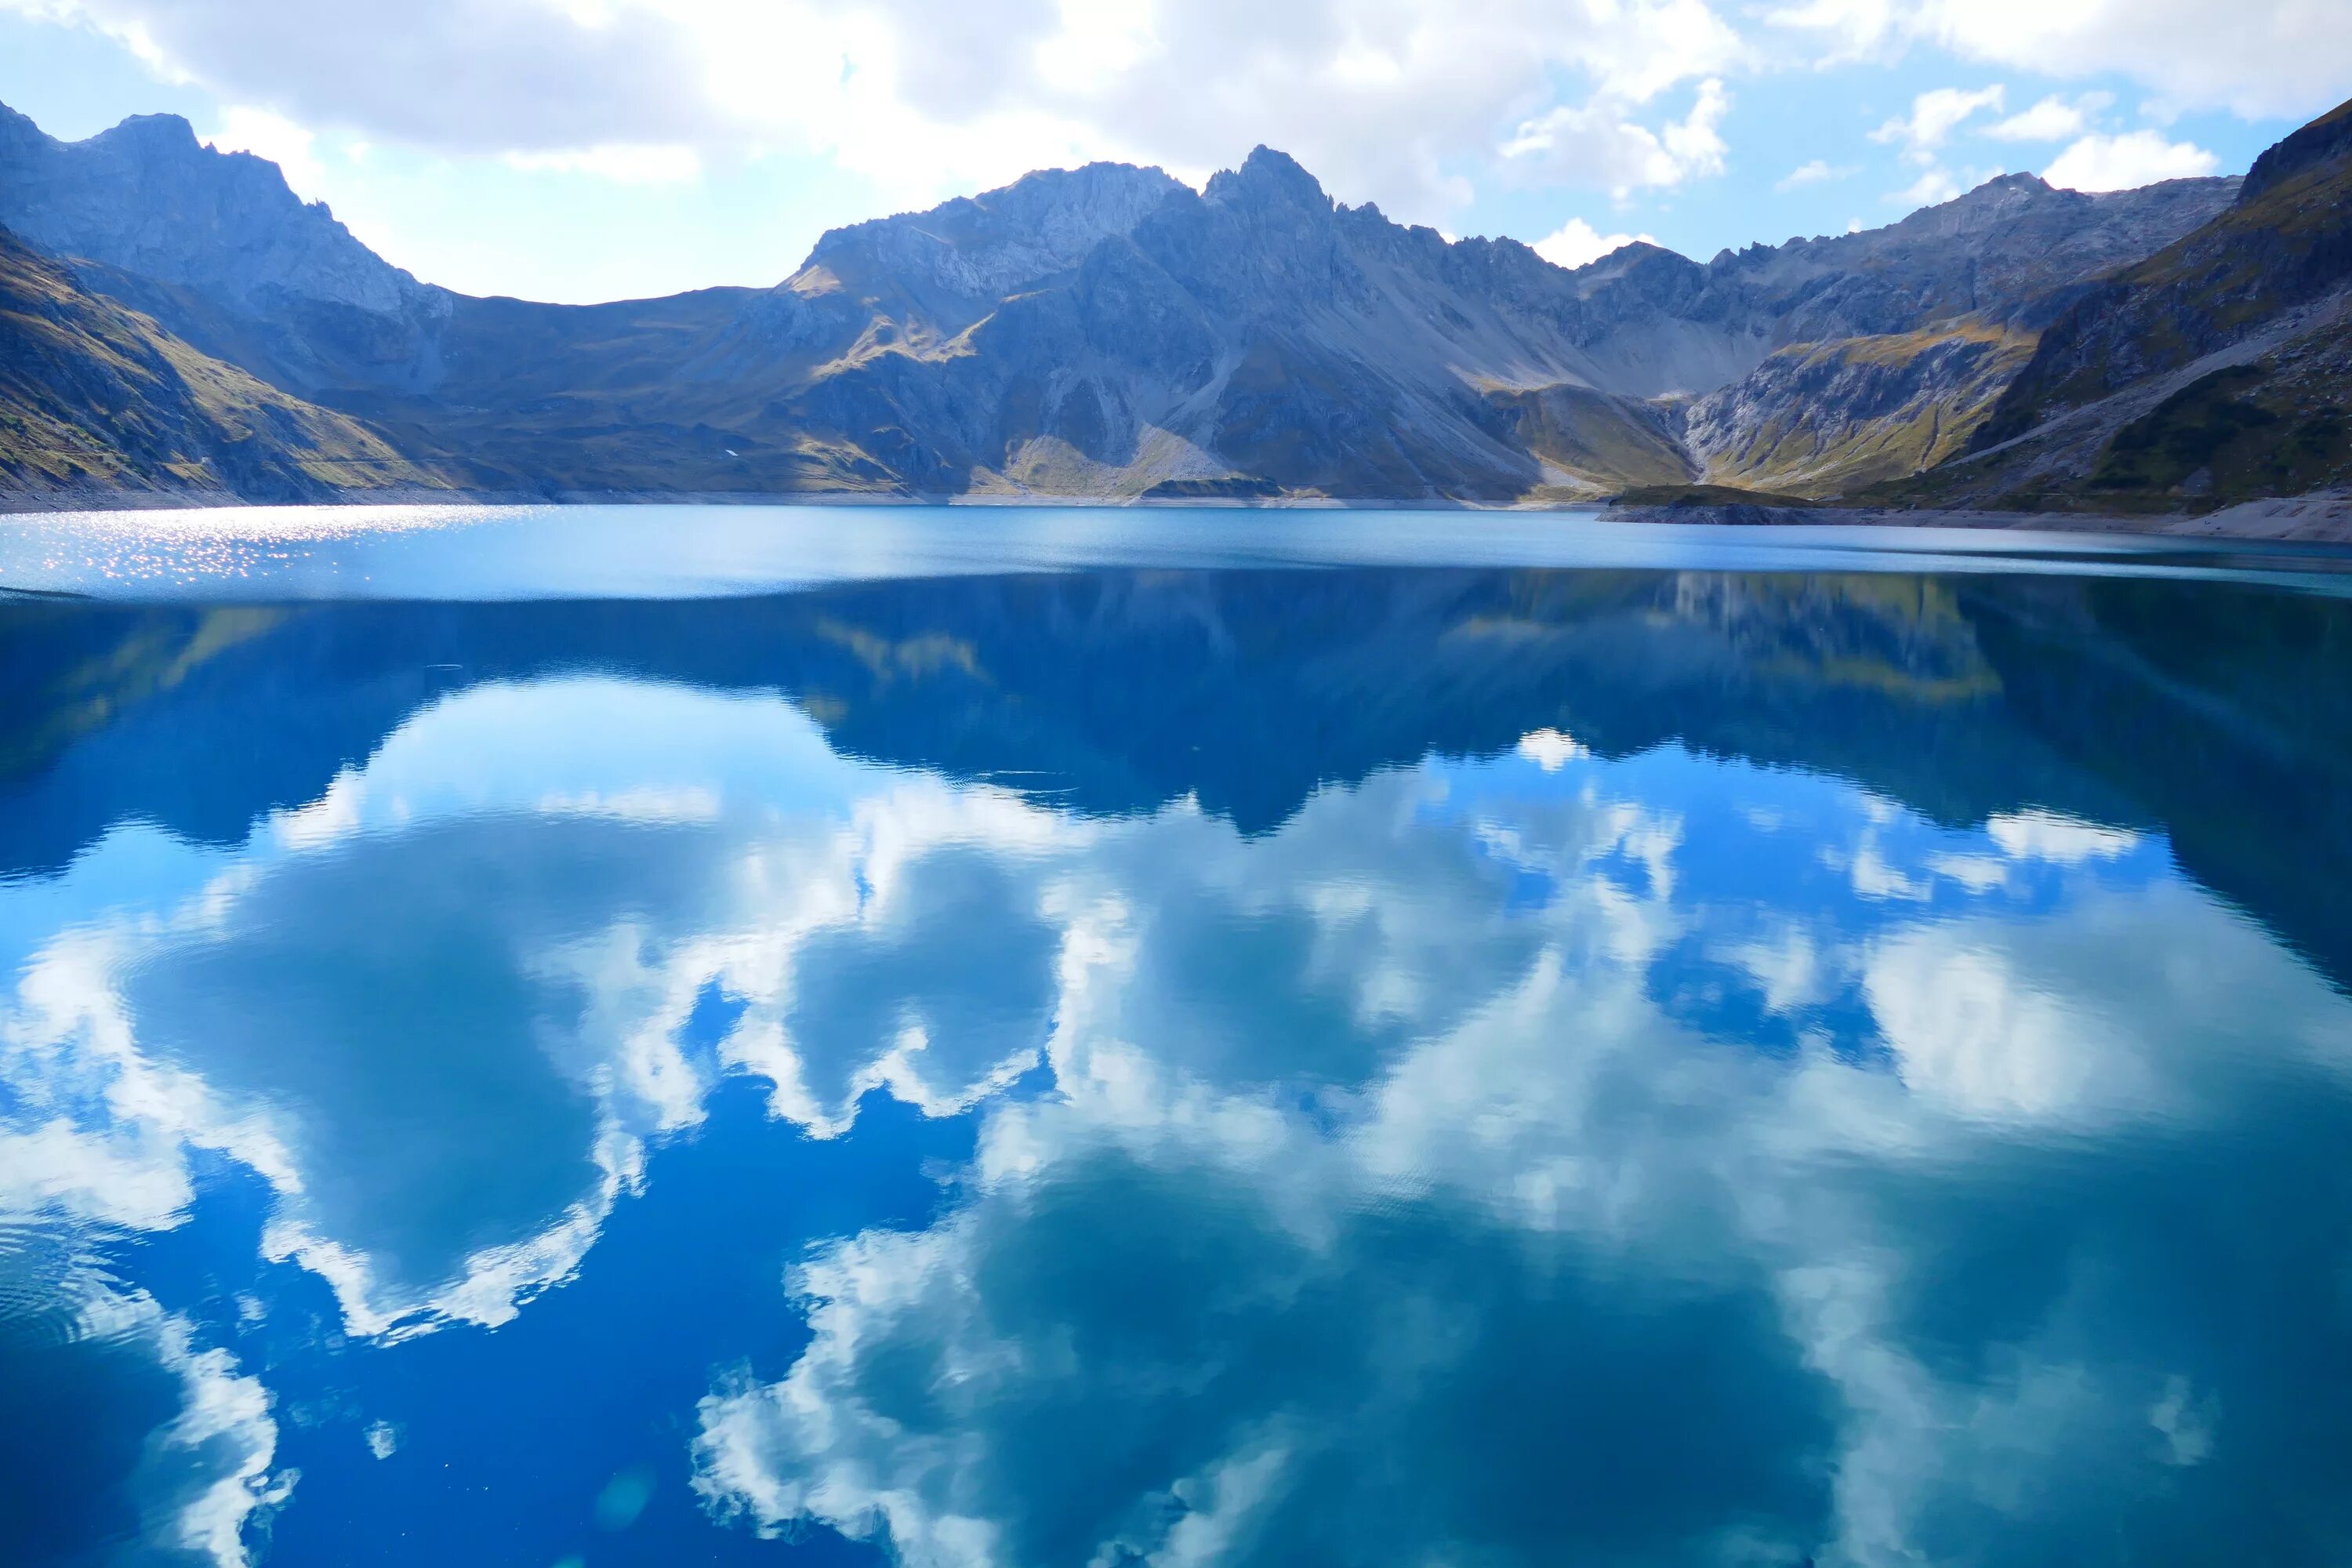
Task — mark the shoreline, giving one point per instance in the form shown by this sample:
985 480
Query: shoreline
2321 517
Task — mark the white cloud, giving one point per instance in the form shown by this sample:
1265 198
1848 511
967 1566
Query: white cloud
629 165
1455 1023
278 139
1547 748
925 97
1596 143
2132 159
194 1482
217 1450
1932 188
1566 1129
2049 836
1817 172
2255 58
1934 117
1574 244
2054 118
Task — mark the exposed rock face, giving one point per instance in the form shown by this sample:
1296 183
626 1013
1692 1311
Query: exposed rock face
215 247
1108 332
1821 418
2287 242
97 400
2325 143
2007 250
974 251
2219 369
1260 331
147 197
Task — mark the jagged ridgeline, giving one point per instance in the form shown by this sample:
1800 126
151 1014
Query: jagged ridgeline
1107 332
2219 369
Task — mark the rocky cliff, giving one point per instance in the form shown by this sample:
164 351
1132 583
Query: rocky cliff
2217 369
1257 338
1108 332
218 249
97 401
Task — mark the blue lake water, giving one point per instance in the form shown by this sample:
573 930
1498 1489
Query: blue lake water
620 1036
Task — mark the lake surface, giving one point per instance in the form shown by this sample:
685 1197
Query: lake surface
1035 1038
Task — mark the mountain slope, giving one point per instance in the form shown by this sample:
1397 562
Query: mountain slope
1258 339
94 399
1108 333
215 248
1905 337
1819 418
2219 369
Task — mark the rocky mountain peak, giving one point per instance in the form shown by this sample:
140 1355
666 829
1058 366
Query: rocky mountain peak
1269 178
160 134
1996 204
146 196
981 248
2325 140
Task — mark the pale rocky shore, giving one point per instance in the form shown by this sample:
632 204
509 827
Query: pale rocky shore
2323 516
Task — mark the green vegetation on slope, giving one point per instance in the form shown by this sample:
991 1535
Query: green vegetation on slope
2218 371
97 397
2288 241
1823 420
1593 439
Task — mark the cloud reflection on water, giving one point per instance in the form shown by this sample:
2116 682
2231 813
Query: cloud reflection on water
1652 1157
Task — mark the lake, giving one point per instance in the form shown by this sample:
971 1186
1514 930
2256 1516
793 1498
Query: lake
1055 1038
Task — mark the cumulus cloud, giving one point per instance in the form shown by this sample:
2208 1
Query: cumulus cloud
2098 163
2265 57
2051 836
130 1439
1577 243
444 1153
1288 1391
1397 1155
1176 1316
1932 188
278 139
629 165
1598 143
925 97
2054 118
1934 117
1817 172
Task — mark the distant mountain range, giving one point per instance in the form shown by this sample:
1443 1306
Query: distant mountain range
177 323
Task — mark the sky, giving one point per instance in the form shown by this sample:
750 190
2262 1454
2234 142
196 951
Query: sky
586 150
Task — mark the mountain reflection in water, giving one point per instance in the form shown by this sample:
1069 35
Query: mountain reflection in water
1350 1066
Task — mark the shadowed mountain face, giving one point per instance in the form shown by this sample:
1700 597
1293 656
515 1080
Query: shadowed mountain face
2219 369
1107 332
2145 704
217 247
97 400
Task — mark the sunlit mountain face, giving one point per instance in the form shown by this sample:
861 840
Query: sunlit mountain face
1181 1065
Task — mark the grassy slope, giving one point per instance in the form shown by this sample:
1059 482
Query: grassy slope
2273 424
621 397
1857 411
1593 437
96 397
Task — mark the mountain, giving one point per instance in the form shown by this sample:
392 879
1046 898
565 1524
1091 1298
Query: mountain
1258 338
2217 370
215 248
1962 697
1108 333
98 401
